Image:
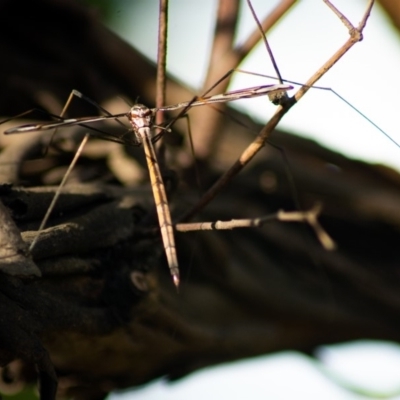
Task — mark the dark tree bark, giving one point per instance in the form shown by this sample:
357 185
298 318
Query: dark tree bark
94 304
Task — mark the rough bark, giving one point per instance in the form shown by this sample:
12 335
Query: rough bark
94 304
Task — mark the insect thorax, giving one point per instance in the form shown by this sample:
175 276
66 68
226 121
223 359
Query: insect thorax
140 116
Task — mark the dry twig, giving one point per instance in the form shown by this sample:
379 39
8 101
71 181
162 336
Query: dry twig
310 217
259 141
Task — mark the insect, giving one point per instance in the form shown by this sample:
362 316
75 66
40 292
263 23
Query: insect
142 123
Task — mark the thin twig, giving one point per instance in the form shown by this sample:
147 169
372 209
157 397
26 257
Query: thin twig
161 59
246 157
355 37
341 16
259 142
226 225
310 217
161 68
225 58
364 19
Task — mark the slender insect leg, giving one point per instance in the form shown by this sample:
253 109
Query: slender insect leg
58 192
67 174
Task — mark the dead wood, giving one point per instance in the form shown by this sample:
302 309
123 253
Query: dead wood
104 313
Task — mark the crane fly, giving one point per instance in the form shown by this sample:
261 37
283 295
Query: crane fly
141 119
